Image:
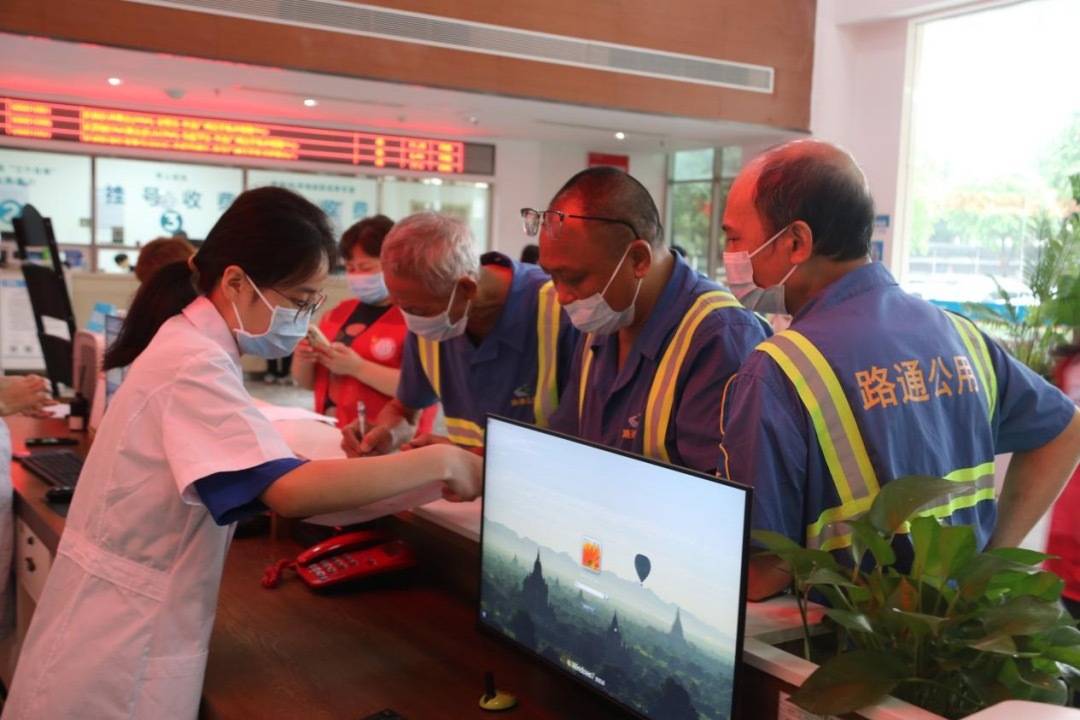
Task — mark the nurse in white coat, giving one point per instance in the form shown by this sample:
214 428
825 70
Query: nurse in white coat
124 621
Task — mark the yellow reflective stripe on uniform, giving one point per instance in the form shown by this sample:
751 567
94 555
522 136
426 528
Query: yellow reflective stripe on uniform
980 358
583 382
834 423
662 392
464 432
547 343
429 361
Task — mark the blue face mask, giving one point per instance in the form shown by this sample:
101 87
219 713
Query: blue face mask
369 288
287 328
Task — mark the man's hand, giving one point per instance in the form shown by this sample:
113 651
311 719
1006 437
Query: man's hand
340 359
378 441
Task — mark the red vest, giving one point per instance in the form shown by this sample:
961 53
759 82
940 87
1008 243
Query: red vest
382 343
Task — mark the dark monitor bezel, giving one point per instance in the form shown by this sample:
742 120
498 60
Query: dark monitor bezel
491 631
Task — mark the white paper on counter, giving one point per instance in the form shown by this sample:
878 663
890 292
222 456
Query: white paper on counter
274 413
395 504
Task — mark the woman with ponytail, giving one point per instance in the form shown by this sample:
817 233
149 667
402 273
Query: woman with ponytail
123 624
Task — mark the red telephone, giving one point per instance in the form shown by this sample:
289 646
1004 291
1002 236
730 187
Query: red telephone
344 558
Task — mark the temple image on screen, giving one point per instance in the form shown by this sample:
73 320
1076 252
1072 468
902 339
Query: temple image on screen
624 573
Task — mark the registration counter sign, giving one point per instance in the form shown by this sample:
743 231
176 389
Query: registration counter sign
114 127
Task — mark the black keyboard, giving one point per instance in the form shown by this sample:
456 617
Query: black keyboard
59 468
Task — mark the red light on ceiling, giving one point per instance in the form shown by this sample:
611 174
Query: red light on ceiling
236 138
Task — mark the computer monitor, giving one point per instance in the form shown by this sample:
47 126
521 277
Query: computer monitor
627 574
113 376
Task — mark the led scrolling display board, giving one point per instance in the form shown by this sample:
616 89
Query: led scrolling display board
90 125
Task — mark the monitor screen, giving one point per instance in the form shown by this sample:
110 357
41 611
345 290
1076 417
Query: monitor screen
627 574
115 376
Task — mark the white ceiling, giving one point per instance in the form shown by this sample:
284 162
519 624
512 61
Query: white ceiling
64 71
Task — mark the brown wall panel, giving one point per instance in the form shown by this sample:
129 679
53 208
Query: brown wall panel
770 32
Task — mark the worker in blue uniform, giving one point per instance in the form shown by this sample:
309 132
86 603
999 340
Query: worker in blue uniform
486 335
869 383
660 339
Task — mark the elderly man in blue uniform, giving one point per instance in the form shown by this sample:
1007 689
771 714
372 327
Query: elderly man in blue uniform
869 383
661 340
485 335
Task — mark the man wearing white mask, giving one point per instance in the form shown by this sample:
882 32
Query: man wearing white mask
870 383
661 340
485 335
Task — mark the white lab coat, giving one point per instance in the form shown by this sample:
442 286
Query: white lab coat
7 535
124 622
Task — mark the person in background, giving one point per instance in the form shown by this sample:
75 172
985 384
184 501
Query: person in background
158 253
122 261
362 364
870 383
24 394
486 335
659 339
530 254
124 620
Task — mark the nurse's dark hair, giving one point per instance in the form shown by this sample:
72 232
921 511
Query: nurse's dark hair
821 185
611 193
277 237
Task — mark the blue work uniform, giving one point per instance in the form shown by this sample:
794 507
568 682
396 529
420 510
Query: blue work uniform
665 400
926 394
506 373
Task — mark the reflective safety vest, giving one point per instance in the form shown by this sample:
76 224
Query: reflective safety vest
659 406
463 431
842 443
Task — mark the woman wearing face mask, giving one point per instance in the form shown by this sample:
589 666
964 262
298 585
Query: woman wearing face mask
366 333
122 627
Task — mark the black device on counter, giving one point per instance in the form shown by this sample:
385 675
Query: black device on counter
50 441
59 468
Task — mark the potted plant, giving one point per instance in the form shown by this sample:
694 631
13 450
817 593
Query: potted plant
958 631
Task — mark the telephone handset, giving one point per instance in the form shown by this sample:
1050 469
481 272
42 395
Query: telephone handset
344 558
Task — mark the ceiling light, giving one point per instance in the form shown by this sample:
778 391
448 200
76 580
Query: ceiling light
310 102
620 135
114 81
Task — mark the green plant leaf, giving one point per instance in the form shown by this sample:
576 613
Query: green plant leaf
865 536
1022 616
899 499
998 643
851 620
850 681
1022 556
1068 655
924 535
1063 636
774 541
827 576
920 623
978 573
1043 585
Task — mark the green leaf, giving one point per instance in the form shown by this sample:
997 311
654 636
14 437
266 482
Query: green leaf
850 681
827 576
924 539
1069 655
851 620
1043 585
774 541
899 499
1063 636
1022 616
920 623
997 643
1020 555
865 537
979 572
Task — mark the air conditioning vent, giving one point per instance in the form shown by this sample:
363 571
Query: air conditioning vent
376 21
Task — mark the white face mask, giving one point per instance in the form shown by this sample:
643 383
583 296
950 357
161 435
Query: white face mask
287 328
438 328
369 288
740 278
594 315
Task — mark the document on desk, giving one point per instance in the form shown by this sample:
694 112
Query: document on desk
395 504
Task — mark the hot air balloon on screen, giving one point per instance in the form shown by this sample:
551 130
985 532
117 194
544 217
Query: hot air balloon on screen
643 566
